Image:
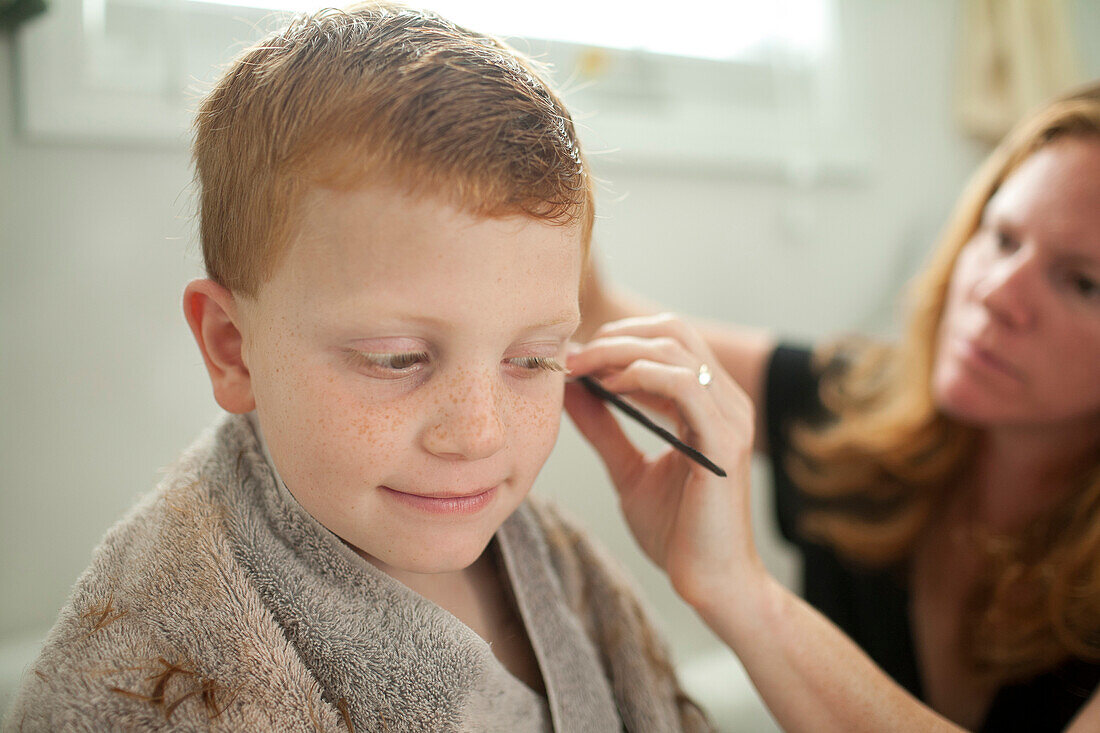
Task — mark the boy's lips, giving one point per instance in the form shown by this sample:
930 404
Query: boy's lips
443 494
444 503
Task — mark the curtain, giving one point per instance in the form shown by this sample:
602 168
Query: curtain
15 12
1013 56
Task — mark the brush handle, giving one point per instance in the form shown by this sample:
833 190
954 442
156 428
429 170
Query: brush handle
605 394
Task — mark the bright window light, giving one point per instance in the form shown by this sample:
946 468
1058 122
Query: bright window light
724 30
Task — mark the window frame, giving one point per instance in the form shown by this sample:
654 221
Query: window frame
636 108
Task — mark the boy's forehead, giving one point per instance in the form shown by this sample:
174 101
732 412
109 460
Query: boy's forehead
390 225
351 242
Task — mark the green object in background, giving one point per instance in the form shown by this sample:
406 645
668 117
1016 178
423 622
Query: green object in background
15 12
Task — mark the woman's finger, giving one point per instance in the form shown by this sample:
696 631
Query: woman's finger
698 409
618 352
599 427
608 356
661 324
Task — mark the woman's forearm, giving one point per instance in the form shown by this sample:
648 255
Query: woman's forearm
810 674
602 303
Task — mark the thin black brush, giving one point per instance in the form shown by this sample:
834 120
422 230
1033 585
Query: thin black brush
603 393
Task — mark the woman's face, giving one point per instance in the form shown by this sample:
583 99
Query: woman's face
1019 342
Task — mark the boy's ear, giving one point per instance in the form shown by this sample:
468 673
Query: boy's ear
212 314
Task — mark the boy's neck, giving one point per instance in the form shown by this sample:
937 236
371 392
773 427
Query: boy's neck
476 595
444 589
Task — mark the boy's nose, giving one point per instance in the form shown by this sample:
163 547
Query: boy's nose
469 424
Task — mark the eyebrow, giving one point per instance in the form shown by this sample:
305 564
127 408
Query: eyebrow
1080 259
992 212
564 318
1067 247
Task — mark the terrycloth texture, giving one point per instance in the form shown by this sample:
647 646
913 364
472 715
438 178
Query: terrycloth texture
218 602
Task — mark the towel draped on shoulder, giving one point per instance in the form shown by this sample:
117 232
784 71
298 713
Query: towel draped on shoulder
218 602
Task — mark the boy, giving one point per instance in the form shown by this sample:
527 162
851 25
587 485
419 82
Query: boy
394 216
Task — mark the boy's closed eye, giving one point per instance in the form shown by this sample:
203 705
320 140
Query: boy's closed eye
537 363
388 365
402 364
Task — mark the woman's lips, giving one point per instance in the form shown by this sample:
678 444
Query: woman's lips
986 360
461 504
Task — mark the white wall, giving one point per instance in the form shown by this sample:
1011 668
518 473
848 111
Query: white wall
101 385
806 262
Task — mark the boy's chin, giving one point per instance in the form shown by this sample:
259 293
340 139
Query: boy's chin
433 559
451 565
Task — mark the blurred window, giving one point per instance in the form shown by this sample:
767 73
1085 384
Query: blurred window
732 84
731 29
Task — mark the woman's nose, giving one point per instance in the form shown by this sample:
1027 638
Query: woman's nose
469 421
1007 290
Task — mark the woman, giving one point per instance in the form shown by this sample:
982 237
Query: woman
945 491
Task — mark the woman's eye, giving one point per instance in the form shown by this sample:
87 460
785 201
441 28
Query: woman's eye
1084 286
537 363
1005 242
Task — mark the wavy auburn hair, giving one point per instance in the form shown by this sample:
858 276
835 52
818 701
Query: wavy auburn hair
377 93
882 464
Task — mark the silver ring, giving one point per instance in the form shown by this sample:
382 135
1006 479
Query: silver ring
703 375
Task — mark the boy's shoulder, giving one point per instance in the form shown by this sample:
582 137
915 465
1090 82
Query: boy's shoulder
592 579
577 555
614 615
163 629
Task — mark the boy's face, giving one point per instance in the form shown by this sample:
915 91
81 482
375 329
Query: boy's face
400 360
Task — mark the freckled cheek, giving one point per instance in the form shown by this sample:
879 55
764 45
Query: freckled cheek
968 270
1071 365
949 319
535 420
276 382
958 290
341 420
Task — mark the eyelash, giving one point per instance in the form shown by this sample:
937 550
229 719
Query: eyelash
1005 243
404 363
1084 286
538 363
1080 284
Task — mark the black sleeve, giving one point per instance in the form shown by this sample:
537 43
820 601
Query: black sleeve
790 395
869 606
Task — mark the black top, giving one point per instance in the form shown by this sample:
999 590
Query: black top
872 607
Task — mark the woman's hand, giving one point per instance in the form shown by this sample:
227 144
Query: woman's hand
695 525
692 523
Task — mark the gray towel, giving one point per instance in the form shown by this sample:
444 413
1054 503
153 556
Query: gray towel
219 603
